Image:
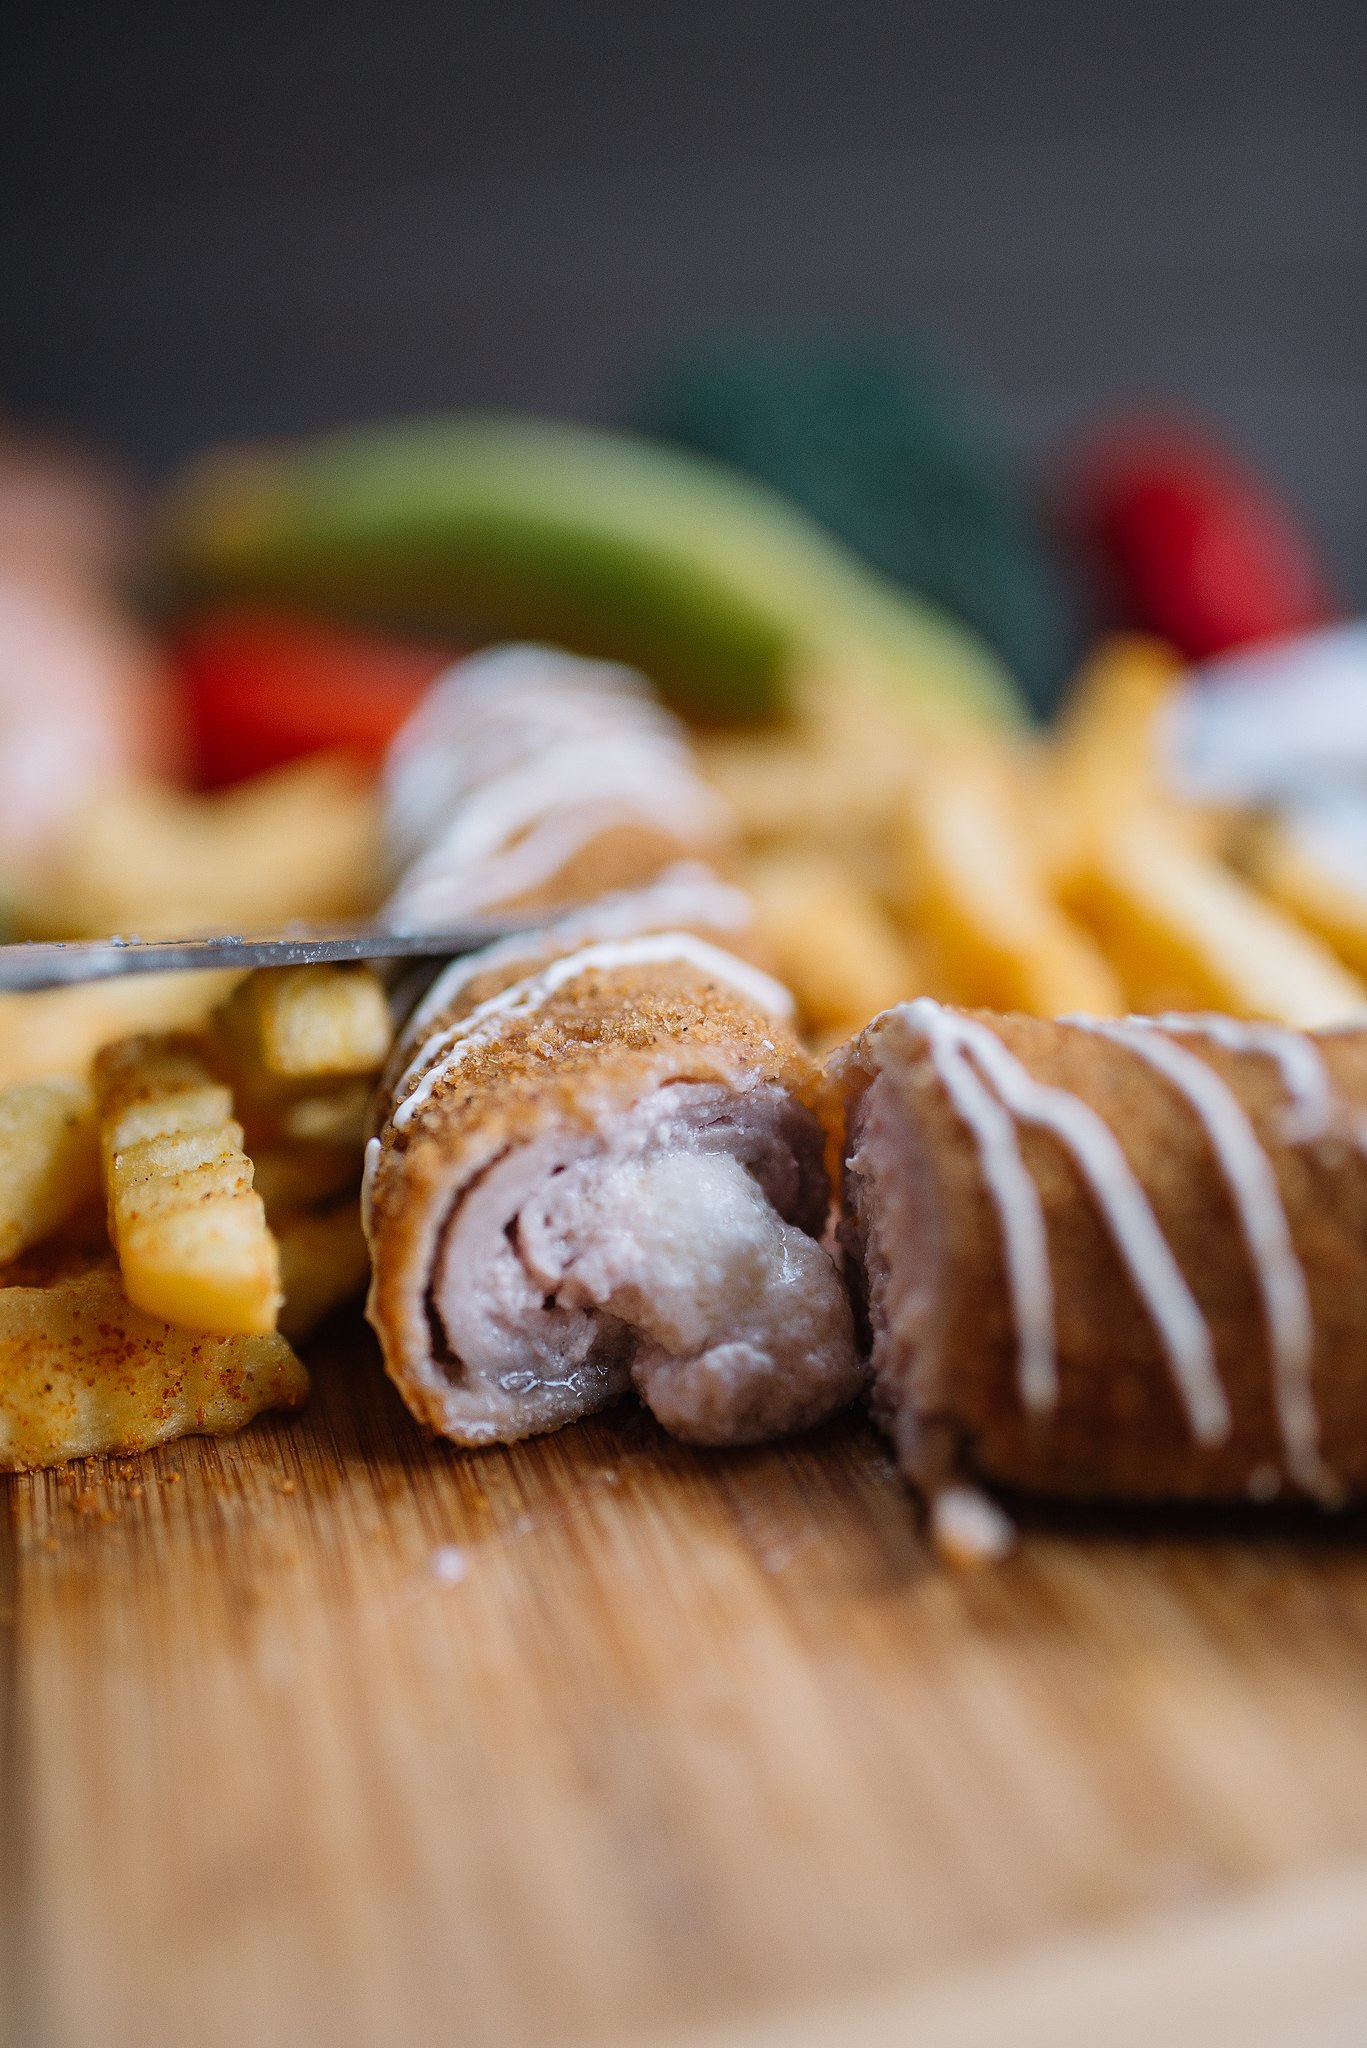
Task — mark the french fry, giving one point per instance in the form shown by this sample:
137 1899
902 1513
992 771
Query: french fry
830 780
975 898
829 939
58 1031
1278 862
297 843
188 1226
306 1024
1142 873
324 1261
1105 761
49 1159
83 1370
1185 933
155 1086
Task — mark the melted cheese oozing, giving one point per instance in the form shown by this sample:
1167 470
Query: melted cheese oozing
744 1317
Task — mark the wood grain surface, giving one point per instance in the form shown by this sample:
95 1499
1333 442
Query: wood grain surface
327 1734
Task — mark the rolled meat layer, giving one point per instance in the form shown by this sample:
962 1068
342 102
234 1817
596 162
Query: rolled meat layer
600 1168
1112 1259
529 778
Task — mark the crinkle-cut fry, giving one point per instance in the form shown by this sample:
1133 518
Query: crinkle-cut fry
1270 853
188 1226
49 1159
324 1262
1184 932
205 1261
1104 761
155 1085
829 939
975 898
83 1371
300 842
307 1024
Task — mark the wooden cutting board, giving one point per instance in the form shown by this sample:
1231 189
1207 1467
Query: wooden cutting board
330 1735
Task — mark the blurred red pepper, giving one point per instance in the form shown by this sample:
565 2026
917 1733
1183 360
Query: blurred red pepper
264 687
1196 546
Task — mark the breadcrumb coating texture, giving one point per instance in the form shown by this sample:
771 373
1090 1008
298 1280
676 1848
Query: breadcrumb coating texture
1118 1429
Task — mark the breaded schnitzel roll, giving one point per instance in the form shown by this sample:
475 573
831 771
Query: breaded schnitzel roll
686 897
603 1172
1113 1259
528 778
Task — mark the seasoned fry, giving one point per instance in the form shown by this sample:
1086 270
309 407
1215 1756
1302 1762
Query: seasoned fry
1185 933
324 1261
829 939
154 1086
189 1228
82 1370
298 843
49 1159
973 893
295 1024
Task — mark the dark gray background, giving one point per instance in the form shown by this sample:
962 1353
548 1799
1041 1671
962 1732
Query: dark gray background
222 222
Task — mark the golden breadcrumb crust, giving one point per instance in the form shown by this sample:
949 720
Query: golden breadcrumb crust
599 1044
1119 1428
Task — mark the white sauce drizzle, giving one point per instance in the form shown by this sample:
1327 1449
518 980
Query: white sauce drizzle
435 891
448 1048
432 782
1024 1235
1135 1230
512 734
1310 1111
968 1529
651 774
368 1173
1252 1184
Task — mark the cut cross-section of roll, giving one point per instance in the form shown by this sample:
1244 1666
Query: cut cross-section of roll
1116 1259
600 1169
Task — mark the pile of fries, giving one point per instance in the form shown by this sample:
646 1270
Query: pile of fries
180 1156
171 1227
1049 874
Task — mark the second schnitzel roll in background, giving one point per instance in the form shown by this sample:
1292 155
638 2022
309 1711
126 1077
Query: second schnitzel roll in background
528 778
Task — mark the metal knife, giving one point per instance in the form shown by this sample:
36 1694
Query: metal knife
53 963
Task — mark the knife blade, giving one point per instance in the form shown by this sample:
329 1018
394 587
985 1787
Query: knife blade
57 963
